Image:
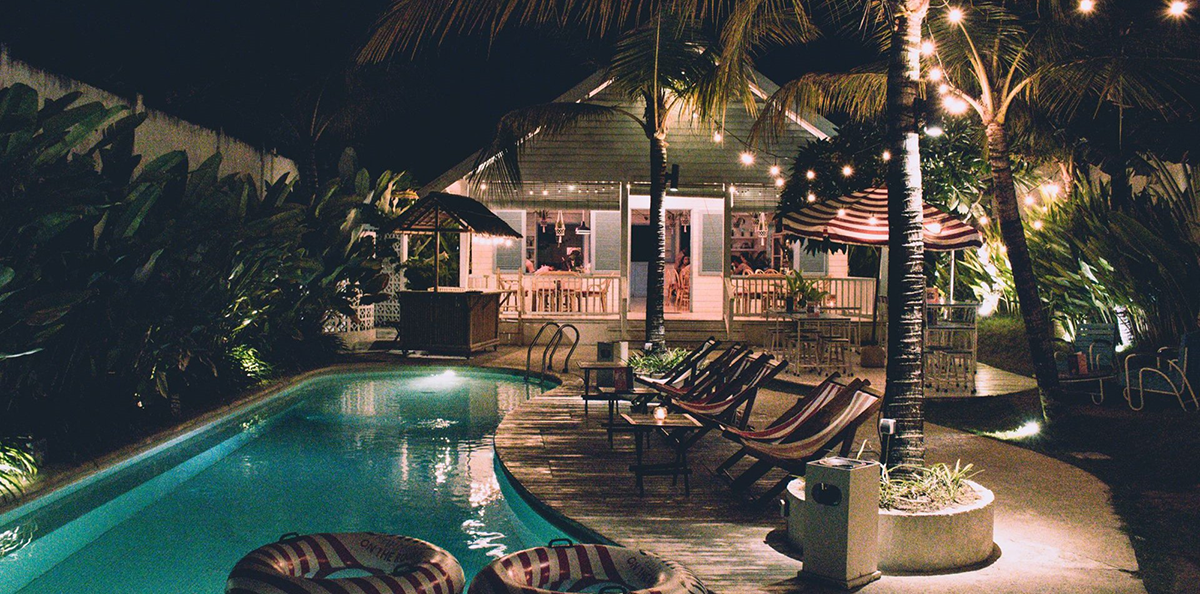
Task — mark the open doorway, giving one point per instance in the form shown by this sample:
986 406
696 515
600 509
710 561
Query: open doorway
677 269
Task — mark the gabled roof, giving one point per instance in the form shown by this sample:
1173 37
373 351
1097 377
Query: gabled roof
617 150
439 211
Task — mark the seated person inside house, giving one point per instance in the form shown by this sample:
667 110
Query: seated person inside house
740 266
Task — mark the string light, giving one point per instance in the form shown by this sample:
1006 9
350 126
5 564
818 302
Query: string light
1178 8
847 170
570 187
935 74
887 155
810 174
774 170
955 15
545 192
841 212
872 221
779 182
1087 5
1029 200
955 105
717 136
1038 225
927 48
747 159
983 220
483 186
812 197
943 89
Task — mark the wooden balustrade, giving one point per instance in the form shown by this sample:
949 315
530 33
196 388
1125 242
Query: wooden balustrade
560 293
753 295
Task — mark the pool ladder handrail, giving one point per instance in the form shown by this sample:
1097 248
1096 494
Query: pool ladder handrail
551 348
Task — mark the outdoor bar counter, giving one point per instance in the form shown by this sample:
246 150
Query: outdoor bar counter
449 321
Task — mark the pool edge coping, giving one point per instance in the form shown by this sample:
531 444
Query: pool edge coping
49 485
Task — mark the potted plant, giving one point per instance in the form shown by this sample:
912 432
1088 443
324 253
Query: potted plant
802 291
934 519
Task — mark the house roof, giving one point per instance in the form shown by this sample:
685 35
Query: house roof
439 211
617 151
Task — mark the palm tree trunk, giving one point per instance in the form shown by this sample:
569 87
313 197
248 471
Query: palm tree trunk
905 392
1012 231
656 333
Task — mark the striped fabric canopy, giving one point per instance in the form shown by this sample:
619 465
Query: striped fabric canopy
861 219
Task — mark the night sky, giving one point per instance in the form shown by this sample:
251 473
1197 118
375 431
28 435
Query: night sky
252 66
246 66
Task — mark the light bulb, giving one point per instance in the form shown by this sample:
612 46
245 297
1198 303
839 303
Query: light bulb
955 105
927 48
983 220
955 15
847 170
718 137
545 192
1038 225
872 220
1051 189
570 187
779 182
747 159
935 74
841 212
774 170
943 89
1087 5
810 174
483 186
1029 200
887 155
812 197
1178 8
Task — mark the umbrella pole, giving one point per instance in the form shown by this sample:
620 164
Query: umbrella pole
953 261
875 306
437 247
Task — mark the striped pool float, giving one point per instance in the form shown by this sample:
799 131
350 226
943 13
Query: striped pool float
584 568
302 565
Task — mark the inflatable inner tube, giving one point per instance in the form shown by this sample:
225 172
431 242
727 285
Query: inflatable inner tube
585 568
303 565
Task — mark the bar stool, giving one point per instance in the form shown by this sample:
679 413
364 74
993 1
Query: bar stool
836 345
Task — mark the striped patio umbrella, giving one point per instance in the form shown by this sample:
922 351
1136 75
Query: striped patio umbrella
861 219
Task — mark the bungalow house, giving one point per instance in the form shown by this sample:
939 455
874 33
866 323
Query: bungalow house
583 212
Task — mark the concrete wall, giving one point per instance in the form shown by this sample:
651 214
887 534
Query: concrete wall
161 132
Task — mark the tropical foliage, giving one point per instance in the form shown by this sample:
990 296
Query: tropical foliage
17 468
132 292
656 361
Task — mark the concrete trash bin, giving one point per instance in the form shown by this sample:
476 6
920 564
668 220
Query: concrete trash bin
841 521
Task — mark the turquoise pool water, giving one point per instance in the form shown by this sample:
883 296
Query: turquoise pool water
407 452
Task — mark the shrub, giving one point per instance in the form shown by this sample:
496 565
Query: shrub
656 361
926 488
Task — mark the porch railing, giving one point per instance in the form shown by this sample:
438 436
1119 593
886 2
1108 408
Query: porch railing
555 293
753 295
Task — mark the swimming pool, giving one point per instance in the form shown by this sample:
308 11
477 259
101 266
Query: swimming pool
403 452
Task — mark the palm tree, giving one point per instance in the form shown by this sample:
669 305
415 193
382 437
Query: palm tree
1003 66
747 26
665 65
984 57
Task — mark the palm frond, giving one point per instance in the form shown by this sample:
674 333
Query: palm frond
668 54
499 162
860 94
408 24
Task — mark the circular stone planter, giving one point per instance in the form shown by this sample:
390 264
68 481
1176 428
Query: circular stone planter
952 538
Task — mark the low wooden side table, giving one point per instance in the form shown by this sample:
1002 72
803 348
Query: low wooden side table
642 425
587 367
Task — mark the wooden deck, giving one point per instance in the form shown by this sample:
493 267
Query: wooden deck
562 458
1061 537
